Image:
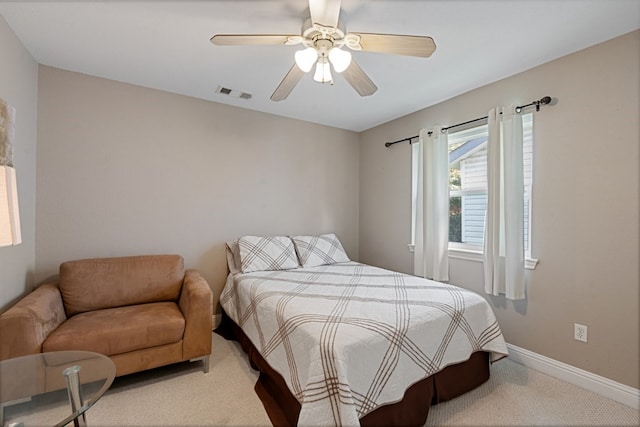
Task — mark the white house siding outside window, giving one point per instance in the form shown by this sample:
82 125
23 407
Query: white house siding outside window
468 187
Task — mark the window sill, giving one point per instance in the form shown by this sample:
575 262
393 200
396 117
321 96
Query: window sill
473 255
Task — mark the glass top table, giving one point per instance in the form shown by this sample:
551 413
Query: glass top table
60 386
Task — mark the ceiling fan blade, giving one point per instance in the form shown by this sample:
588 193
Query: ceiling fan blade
250 39
359 80
325 12
421 46
287 84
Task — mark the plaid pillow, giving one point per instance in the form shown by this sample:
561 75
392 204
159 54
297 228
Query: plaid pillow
319 250
233 256
266 253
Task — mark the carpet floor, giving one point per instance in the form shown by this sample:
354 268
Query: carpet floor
182 395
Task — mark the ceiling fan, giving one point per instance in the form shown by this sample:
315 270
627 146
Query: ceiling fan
324 36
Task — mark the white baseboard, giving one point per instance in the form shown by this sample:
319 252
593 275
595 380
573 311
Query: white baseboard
600 385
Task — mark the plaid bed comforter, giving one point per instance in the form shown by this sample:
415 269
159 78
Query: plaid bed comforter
348 337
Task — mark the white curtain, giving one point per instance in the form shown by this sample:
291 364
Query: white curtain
504 222
431 258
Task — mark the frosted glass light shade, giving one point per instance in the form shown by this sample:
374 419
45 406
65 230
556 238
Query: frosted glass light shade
323 72
341 59
306 58
9 213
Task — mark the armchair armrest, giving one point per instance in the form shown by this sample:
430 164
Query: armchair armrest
25 326
195 302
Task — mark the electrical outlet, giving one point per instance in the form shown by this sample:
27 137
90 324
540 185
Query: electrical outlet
579 332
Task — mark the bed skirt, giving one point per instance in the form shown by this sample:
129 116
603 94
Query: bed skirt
283 408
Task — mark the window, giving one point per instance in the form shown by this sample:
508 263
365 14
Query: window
468 185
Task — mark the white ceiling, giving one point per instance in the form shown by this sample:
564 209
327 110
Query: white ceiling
165 45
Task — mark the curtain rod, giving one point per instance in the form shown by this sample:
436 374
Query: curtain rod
544 101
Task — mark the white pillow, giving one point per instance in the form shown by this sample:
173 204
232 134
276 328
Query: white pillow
266 253
233 256
319 250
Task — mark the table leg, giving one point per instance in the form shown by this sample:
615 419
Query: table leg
72 375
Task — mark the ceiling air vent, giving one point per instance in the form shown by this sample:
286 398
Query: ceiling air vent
232 92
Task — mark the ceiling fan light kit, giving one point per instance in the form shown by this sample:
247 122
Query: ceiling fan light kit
323 36
306 58
341 59
323 71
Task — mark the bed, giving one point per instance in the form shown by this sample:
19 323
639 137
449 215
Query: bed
343 343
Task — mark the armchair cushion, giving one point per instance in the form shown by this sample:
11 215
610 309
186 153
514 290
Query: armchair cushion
94 284
119 330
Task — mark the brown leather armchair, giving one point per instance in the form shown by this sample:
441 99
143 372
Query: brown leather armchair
141 311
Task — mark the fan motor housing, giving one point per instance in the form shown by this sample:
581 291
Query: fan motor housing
311 31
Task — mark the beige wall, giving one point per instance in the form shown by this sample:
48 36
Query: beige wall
126 170
18 86
585 205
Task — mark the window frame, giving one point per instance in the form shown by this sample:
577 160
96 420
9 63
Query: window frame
470 251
